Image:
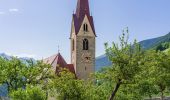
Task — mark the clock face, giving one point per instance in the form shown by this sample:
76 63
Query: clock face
86 57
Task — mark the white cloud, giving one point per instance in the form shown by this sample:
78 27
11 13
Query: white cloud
13 10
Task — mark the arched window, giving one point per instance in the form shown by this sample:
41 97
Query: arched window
85 27
85 44
73 45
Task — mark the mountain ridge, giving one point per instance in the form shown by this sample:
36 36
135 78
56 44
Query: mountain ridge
150 43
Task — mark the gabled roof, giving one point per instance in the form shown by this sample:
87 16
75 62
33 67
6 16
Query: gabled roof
71 67
81 11
58 61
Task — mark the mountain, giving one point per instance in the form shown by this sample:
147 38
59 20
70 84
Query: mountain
151 43
3 55
103 61
23 59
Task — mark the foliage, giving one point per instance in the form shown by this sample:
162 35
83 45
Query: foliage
17 75
157 68
66 86
163 46
30 93
11 73
126 63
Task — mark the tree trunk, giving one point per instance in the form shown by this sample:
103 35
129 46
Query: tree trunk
162 95
115 90
150 97
162 88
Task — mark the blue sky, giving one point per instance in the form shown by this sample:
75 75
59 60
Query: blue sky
36 27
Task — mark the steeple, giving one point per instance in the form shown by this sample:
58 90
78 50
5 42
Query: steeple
82 8
82 40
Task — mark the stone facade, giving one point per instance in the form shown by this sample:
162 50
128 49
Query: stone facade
83 60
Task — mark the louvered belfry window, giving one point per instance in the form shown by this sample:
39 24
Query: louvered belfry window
85 27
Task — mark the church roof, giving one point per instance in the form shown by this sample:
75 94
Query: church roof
58 61
71 67
81 11
82 8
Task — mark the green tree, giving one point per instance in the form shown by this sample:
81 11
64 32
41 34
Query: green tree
126 63
16 74
65 86
162 46
145 85
30 93
11 73
157 67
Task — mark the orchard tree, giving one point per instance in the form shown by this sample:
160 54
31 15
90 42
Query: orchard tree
157 66
30 93
65 86
126 62
12 73
17 74
145 84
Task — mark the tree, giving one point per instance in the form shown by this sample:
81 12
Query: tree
145 85
11 73
147 88
162 46
125 63
157 67
17 74
65 86
30 93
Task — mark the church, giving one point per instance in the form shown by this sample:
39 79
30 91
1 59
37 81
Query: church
82 43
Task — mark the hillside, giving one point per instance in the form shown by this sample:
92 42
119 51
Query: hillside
151 43
103 61
167 50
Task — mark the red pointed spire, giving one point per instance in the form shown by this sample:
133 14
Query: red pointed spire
82 8
81 11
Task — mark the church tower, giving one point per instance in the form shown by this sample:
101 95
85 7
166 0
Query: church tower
83 41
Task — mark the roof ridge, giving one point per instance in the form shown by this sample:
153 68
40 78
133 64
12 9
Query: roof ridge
55 58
